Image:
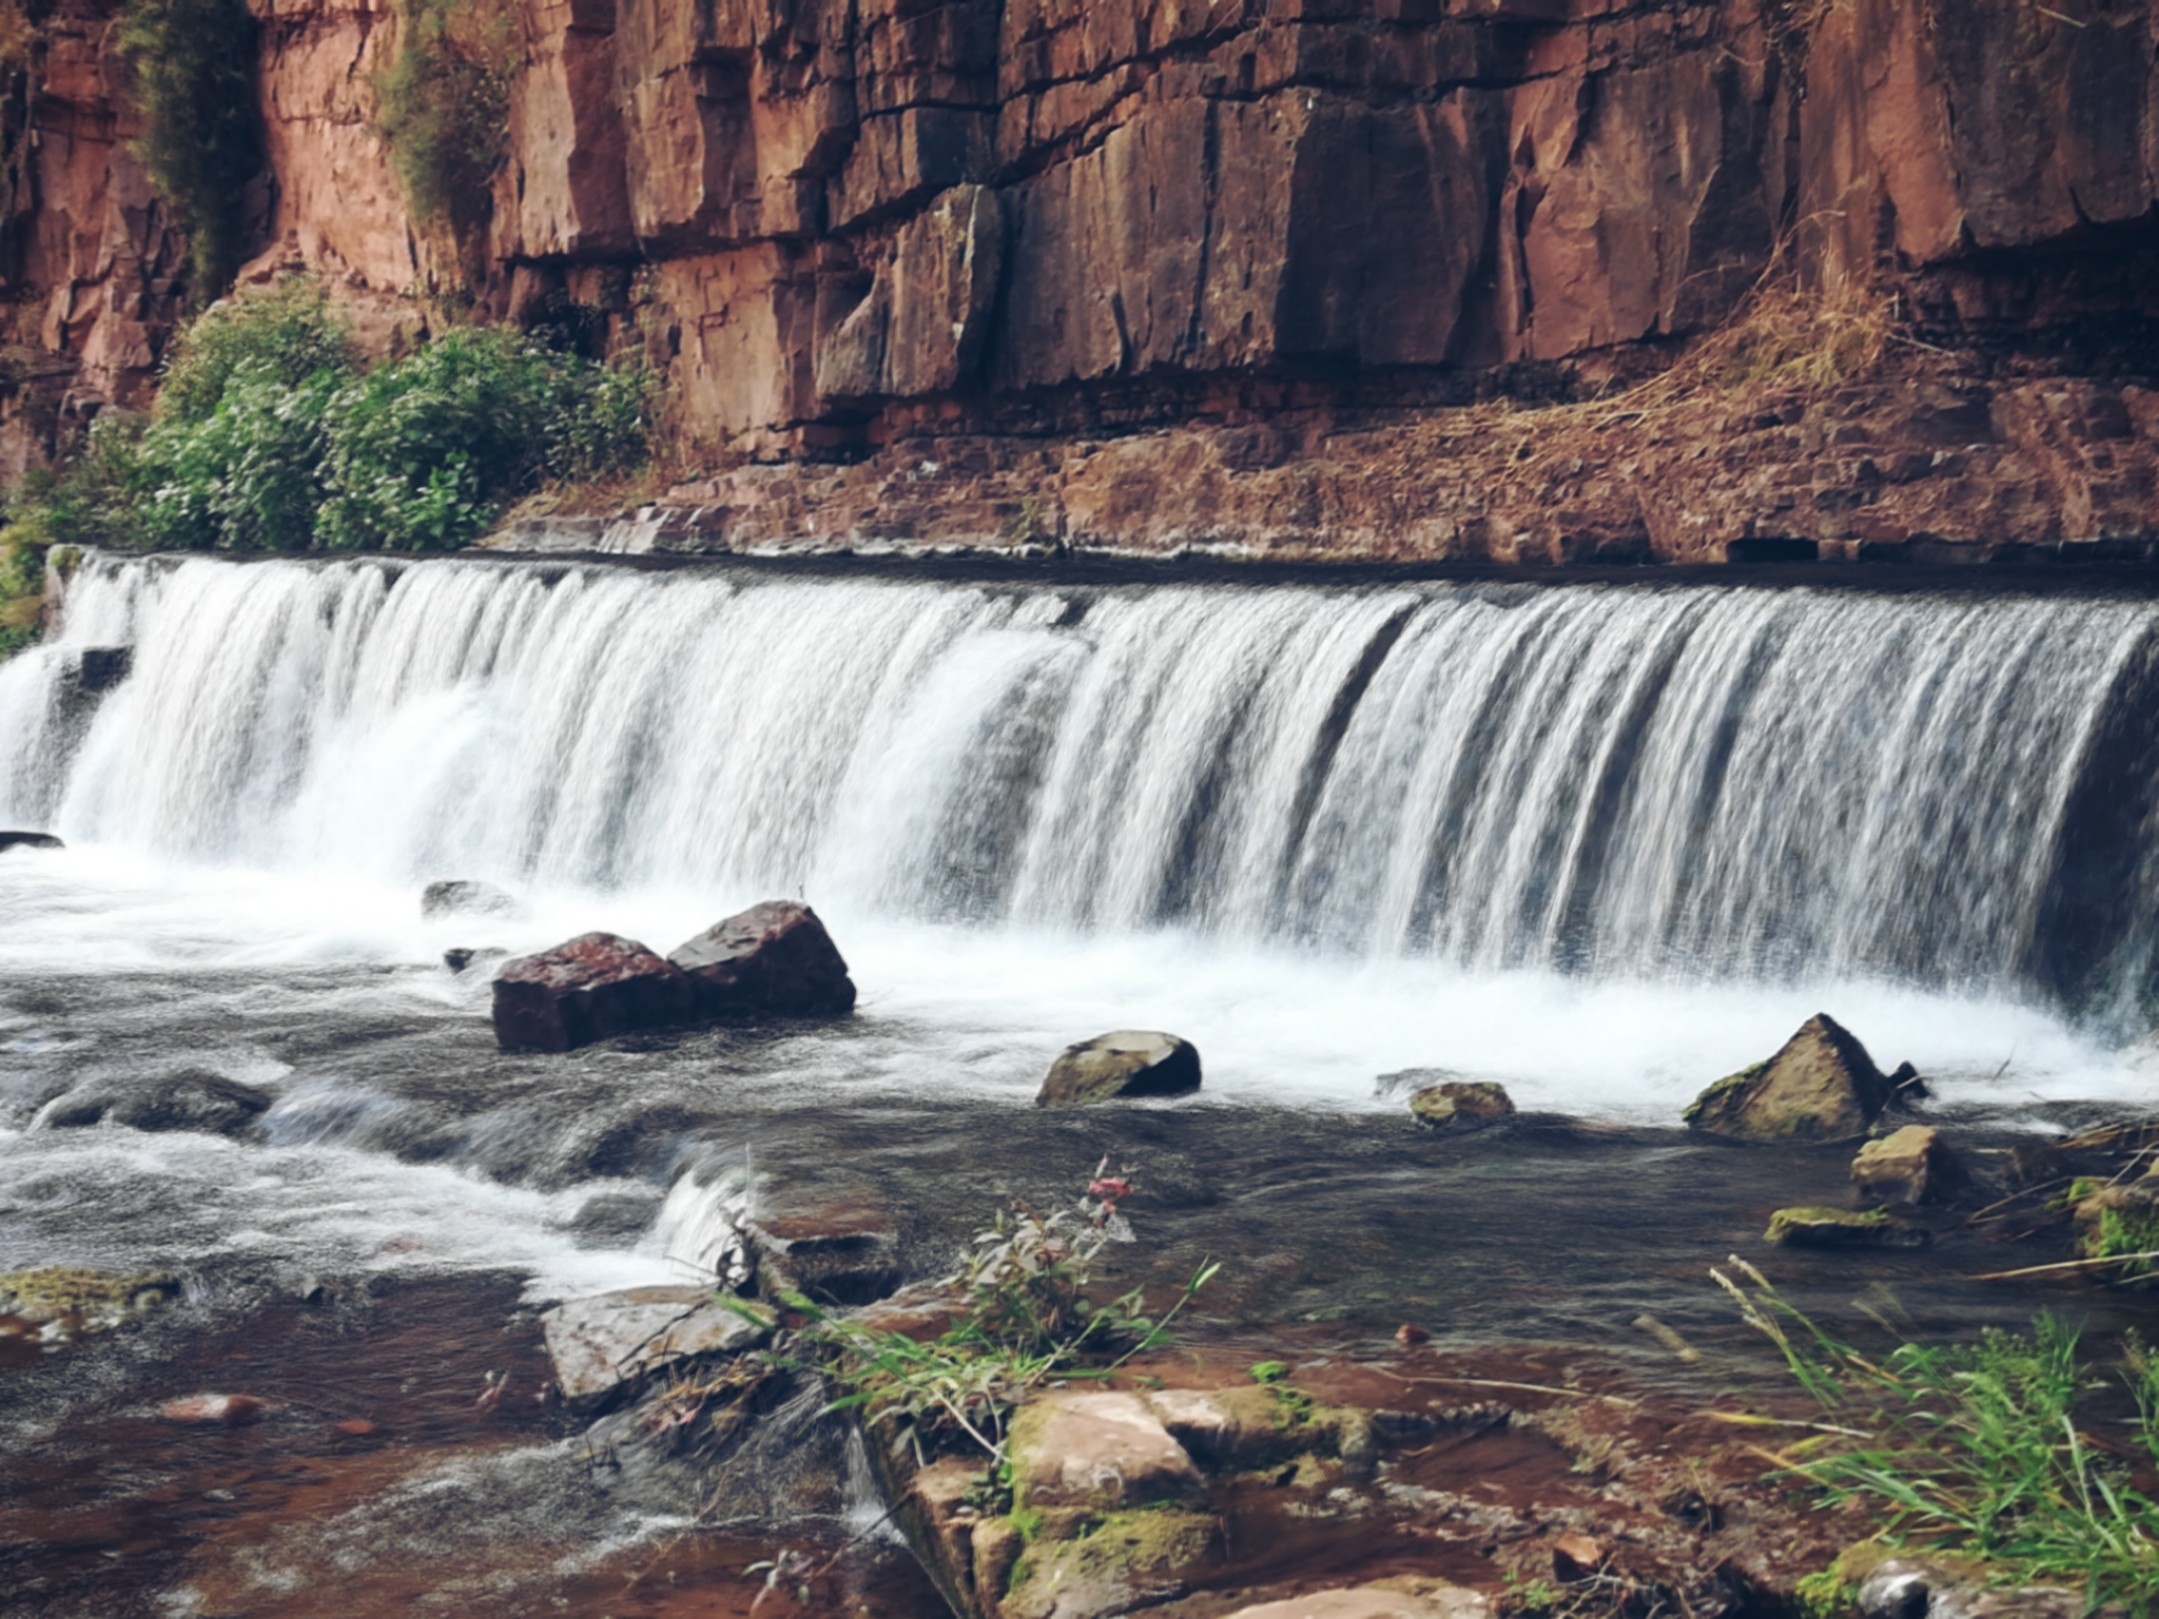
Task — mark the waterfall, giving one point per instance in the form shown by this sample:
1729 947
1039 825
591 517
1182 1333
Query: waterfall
1950 789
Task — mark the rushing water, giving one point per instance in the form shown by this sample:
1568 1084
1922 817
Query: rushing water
1603 843
1626 782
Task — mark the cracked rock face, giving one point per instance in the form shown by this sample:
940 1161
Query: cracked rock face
830 222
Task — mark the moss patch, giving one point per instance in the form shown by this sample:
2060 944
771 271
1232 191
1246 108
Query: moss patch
83 1300
1120 1558
1712 1102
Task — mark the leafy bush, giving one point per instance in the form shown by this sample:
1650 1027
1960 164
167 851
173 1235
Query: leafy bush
193 64
424 451
445 103
287 333
270 437
22 583
1976 1448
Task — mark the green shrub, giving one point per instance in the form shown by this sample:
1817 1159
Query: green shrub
193 67
270 437
445 106
424 452
287 332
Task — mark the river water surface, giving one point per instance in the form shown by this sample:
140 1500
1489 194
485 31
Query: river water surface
1602 844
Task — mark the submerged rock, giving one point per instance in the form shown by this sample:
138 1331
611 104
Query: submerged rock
773 960
1821 1086
1130 1062
29 840
593 986
611 1342
1910 1165
192 1099
1841 1228
462 896
1461 1105
462 959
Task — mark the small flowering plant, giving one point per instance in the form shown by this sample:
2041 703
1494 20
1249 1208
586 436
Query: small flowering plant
1029 1322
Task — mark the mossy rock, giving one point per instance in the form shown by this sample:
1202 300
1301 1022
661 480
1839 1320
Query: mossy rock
1820 1087
1804 1227
1462 1105
1126 1063
1123 1561
82 1300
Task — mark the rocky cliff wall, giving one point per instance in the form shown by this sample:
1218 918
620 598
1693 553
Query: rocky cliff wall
1072 269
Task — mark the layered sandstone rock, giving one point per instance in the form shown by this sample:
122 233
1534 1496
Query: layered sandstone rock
989 240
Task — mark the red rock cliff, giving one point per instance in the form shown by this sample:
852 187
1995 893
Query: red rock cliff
1145 272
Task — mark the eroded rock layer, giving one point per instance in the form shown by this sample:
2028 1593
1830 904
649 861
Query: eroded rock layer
1158 272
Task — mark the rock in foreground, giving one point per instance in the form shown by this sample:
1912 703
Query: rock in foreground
29 840
1130 1062
610 1342
1822 1086
1911 1165
773 960
1462 1105
594 986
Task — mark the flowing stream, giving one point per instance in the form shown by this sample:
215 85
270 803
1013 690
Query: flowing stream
1602 842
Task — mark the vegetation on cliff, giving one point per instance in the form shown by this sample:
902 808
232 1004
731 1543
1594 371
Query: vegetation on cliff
445 108
192 66
272 434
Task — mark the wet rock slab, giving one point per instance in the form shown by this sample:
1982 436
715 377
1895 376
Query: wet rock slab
605 1345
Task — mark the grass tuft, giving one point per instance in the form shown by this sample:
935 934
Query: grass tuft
1979 1448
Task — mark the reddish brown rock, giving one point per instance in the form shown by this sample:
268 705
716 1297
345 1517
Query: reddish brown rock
594 986
1149 274
773 960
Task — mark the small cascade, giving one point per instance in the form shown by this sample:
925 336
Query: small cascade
1952 789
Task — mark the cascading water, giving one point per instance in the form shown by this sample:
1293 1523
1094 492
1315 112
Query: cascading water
1623 781
1602 844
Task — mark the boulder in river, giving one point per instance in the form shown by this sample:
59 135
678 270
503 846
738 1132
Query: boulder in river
773 960
1911 1165
586 989
462 896
191 1099
610 1342
462 959
1822 1086
1462 1105
1129 1062
29 840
